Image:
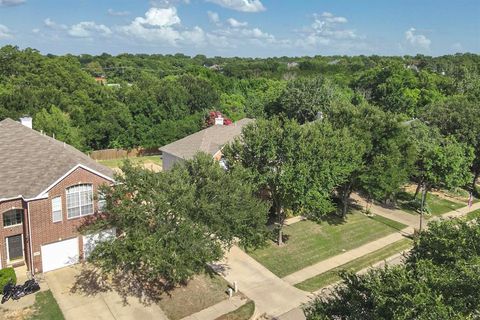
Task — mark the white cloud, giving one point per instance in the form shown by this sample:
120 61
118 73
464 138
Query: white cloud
5 32
329 30
113 12
161 24
159 17
241 5
330 18
36 30
213 17
167 3
235 23
417 40
87 29
49 23
11 3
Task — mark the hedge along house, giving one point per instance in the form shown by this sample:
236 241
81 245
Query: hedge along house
210 141
47 189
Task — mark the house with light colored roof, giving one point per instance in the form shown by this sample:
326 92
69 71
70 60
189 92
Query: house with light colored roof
210 140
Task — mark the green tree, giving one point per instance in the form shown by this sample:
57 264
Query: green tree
439 281
441 162
305 98
297 166
56 123
171 224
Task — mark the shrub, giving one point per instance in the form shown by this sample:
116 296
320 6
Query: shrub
5 275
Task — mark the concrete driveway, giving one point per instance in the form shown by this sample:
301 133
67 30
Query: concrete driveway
108 306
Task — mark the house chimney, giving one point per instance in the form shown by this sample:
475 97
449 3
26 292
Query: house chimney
26 121
219 121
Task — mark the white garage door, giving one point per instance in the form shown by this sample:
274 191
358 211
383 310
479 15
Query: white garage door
91 240
59 254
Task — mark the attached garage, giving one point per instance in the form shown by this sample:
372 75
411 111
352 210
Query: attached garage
60 254
91 240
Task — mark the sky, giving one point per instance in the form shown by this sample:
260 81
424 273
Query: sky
246 28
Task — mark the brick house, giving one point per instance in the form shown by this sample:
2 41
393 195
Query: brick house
210 140
47 190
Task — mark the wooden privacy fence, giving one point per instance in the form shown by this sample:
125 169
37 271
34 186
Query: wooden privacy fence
112 154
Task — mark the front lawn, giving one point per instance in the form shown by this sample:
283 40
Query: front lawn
332 276
437 205
310 242
473 215
142 161
45 307
201 292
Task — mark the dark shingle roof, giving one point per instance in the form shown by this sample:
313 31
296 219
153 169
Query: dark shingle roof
209 140
30 162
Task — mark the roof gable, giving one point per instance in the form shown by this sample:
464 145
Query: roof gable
30 162
210 140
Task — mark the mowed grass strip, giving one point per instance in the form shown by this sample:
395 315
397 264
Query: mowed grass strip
437 205
46 307
310 242
473 215
245 312
332 276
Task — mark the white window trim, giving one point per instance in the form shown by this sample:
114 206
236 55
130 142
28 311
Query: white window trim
61 210
8 251
101 199
66 202
13 225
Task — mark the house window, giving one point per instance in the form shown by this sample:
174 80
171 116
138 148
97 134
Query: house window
102 203
57 209
13 217
79 200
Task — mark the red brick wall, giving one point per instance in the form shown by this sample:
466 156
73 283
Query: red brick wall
9 231
45 231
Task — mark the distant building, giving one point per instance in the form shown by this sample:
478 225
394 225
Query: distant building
292 65
210 141
101 80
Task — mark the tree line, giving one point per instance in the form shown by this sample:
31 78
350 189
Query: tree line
156 99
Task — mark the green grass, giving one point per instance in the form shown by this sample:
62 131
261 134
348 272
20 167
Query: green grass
332 276
473 215
390 223
201 292
46 307
437 205
245 312
116 163
310 242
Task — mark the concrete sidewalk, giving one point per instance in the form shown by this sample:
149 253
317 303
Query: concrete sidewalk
218 309
271 295
338 260
389 213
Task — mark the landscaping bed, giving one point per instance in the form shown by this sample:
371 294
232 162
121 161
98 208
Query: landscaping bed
201 292
332 276
310 242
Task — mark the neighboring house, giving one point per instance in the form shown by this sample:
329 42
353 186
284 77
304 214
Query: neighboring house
210 141
47 190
